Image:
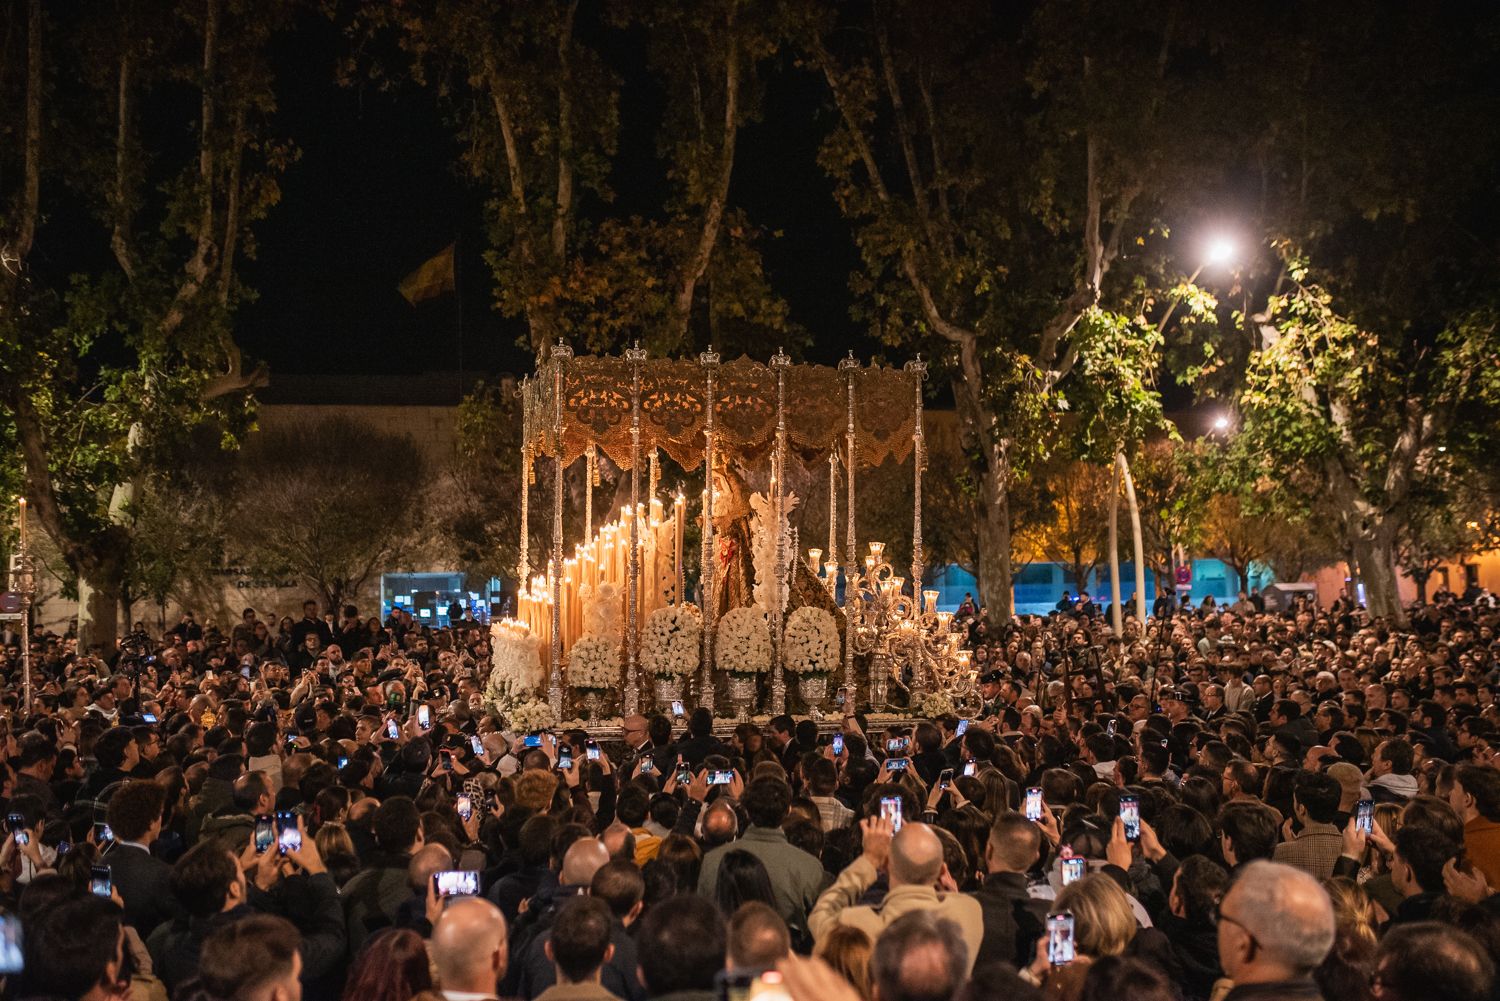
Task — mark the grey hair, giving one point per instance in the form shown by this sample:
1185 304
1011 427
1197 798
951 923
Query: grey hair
919 957
1288 912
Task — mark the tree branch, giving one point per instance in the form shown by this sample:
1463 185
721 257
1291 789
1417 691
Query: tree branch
198 266
31 186
508 135
713 209
564 138
940 180
232 208
119 238
903 129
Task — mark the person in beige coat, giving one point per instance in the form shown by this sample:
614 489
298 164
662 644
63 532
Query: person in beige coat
919 881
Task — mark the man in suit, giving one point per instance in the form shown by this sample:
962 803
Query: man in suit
144 881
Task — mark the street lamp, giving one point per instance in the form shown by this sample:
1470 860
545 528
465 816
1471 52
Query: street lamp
1220 251
1221 423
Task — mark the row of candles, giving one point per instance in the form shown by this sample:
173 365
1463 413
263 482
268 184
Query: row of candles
605 558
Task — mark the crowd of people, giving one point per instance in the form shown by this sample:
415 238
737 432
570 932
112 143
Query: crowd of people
1221 803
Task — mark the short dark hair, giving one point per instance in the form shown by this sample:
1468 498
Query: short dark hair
758 937
822 777
682 943
783 724
134 807
620 885
1425 850
1251 827
201 879
397 824
919 957
244 955
109 749
1398 754
1319 793
69 947
535 839
1428 959
1483 783
249 789
1290 708
701 723
767 801
1201 884
580 938
632 805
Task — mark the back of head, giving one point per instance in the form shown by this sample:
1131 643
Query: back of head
426 861
201 879
1014 844
1287 911
681 945
397 824
919 957
1427 959
847 949
585 857
916 856
1104 924
468 945
701 723
1251 827
71 949
580 939
134 807
620 886
758 938
1319 794
1483 783
767 801
1117 979
242 958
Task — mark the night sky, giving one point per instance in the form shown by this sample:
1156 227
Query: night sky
377 191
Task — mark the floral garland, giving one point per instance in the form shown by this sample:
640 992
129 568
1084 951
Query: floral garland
516 677
932 705
812 641
671 640
744 645
594 662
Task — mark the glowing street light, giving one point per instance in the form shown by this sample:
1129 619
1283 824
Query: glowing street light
1221 423
1220 251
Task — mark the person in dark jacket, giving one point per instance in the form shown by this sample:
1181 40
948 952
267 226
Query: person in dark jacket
1013 920
1188 924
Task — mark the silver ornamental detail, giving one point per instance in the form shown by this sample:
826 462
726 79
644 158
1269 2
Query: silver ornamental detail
636 356
710 362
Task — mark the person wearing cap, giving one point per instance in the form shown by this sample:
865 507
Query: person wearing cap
1175 703
989 691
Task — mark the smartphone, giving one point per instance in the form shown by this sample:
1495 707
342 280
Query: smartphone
720 778
676 708
12 957
291 737
22 838
971 768
245 672
1364 816
63 847
963 728
532 740
945 778
1130 813
424 716
565 761
890 809
289 838
896 764
477 746
393 700
1110 728
103 836
1034 803
101 880
896 745
592 750
15 822
465 807
265 834
343 761
392 730
456 883
148 718
1073 870
1060 939
838 743
445 756
648 765
841 696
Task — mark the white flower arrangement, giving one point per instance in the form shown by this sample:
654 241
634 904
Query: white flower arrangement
529 716
744 642
594 662
811 645
516 663
671 640
931 705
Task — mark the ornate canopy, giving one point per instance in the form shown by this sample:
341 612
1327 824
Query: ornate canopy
596 408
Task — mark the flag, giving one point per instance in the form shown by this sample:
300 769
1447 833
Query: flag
432 278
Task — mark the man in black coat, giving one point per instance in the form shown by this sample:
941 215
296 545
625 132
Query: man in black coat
144 881
1013 919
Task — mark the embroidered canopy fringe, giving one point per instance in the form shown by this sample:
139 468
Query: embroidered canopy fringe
596 410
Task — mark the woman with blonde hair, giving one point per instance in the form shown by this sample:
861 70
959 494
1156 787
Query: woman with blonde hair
1345 973
337 851
847 950
1103 925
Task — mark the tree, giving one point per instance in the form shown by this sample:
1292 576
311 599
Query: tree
1075 532
1171 516
1445 525
1237 536
101 366
1000 224
334 501
538 109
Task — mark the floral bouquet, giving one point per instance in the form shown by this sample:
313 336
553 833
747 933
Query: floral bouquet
744 645
516 659
529 716
594 663
931 705
812 641
671 640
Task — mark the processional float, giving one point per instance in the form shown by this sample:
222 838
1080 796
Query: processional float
592 624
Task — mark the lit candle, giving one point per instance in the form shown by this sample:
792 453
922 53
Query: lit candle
23 524
814 556
679 510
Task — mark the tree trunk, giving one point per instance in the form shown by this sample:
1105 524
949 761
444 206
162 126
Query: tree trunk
98 614
1375 550
995 591
1138 545
1116 616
